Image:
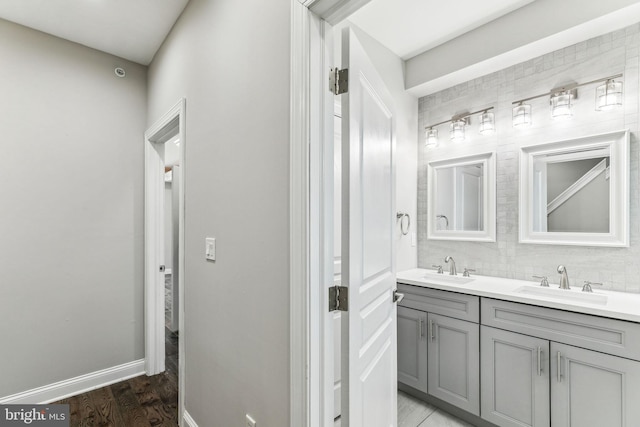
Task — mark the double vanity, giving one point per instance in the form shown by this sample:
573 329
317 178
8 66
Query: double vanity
514 353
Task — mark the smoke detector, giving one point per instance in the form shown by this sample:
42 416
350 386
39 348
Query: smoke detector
120 72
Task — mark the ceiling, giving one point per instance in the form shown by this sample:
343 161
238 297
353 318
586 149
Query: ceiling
135 29
410 27
130 29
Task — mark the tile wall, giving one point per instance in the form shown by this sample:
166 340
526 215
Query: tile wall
612 53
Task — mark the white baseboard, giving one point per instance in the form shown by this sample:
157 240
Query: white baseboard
188 421
74 386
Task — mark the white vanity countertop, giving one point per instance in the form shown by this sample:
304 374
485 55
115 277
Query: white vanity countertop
616 305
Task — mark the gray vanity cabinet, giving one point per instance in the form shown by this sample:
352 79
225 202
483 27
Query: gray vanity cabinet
438 345
573 383
593 389
412 348
514 378
454 371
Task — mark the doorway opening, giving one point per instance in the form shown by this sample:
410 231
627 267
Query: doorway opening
164 247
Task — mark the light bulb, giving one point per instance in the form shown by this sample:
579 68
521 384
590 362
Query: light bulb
432 137
457 130
522 115
487 123
561 107
609 96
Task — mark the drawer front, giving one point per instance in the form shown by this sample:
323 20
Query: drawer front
582 330
459 306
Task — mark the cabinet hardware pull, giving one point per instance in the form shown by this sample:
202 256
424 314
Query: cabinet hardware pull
431 334
559 364
539 362
421 328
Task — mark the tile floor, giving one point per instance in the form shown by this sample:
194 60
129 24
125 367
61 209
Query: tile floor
413 412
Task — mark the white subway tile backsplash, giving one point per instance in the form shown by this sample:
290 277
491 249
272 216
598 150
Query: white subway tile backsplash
616 52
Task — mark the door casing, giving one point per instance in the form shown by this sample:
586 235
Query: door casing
311 189
154 245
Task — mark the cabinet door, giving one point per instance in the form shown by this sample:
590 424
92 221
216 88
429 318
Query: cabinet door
514 378
591 389
453 362
412 348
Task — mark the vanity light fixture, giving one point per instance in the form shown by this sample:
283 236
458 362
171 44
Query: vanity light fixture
457 130
522 115
609 95
560 101
487 123
458 124
432 137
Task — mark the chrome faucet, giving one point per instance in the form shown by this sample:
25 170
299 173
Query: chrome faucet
564 279
587 286
452 266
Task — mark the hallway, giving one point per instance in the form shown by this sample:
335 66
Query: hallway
138 402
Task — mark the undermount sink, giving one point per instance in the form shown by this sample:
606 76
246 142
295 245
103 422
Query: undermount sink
563 294
446 278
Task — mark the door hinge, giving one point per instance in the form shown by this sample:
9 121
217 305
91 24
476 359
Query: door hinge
338 298
339 81
162 269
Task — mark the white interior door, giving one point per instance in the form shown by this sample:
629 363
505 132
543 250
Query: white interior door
369 380
337 258
175 262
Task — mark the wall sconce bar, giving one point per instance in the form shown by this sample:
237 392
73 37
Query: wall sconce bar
463 116
570 87
458 125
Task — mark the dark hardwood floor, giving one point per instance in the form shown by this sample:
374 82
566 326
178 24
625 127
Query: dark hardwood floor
138 402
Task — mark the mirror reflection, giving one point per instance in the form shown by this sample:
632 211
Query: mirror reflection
459 203
569 183
576 192
461 198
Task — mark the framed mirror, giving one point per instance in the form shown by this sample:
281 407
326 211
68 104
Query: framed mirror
576 192
461 199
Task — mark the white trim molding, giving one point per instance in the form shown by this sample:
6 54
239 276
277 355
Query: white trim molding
188 421
172 121
78 385
299 217
334 11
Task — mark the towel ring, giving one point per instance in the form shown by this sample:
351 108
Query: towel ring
401 216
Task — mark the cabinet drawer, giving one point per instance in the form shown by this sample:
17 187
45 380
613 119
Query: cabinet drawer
459 306
582 330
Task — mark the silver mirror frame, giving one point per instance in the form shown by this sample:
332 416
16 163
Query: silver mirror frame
618 145
488 233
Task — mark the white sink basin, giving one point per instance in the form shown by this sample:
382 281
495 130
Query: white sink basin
563 294
446 278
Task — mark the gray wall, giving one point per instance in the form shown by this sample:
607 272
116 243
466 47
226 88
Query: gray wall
612 53
230 60
71 186
592 199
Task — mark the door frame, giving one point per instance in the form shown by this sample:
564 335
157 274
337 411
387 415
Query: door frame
311 163
154 360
